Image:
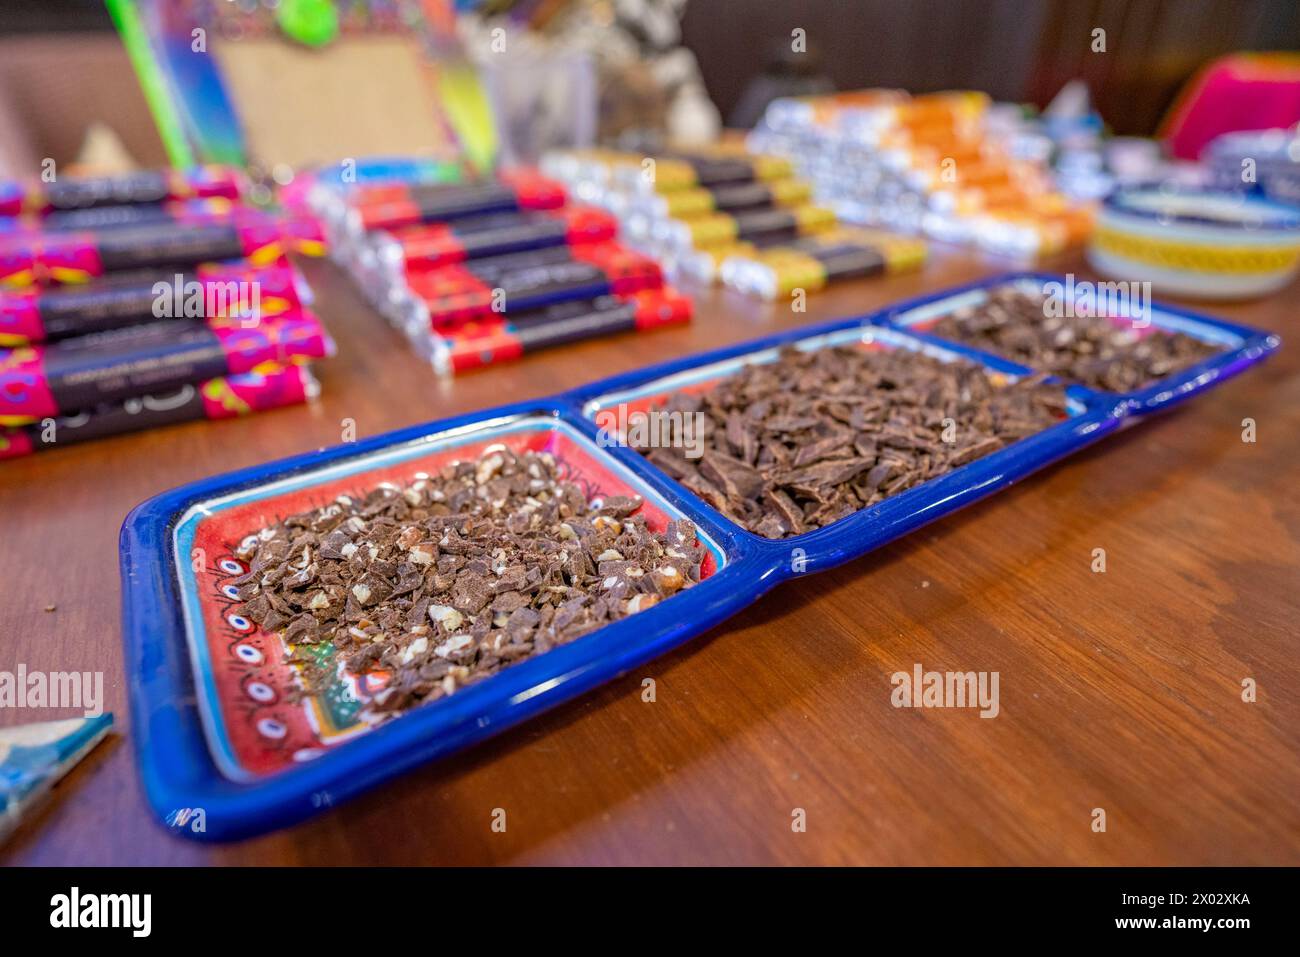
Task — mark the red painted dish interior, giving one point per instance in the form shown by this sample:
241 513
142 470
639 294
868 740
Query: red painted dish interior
266 729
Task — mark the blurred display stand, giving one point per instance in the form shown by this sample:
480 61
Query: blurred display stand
540 102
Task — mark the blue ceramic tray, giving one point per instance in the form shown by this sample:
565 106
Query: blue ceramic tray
212 729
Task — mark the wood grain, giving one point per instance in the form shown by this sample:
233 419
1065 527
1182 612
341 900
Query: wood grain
1119 691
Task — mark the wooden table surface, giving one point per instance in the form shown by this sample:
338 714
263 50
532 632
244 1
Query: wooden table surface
1120 691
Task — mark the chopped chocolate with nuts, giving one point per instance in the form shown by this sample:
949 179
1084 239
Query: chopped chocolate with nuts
445 581
1091 350
809 439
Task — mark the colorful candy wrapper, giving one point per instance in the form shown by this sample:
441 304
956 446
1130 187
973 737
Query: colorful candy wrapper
149 186
444 297
323 191
89 370
268 386
684 171
665 171
935 163
705 265
138 214
483 342
811 266
73 257
392 295
11 199
729 198
39 314
420 248
717 229
405 204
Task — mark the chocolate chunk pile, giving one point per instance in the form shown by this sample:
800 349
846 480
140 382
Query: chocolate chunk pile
1090 350
815 436
457 575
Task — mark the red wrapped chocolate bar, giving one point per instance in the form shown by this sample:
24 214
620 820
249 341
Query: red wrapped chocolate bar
482 342
407 204
267 387
420 248
442 298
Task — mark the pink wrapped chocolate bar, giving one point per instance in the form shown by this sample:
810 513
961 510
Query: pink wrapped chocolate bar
46 314
110 366
75 256
267 387
144 187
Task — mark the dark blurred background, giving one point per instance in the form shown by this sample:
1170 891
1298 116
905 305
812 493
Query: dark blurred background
54 79
1017 50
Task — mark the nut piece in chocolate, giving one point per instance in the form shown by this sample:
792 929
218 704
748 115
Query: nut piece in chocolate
443 582
813 437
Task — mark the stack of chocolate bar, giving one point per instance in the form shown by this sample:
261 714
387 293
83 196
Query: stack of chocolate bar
931 164
143 300
480 273
723 214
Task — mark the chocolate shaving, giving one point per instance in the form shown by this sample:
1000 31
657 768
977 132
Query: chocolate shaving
1091 350
815 436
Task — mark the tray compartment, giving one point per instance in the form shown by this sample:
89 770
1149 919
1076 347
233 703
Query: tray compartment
1239 346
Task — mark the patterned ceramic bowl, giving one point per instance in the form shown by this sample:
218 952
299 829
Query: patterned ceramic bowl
1206 244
